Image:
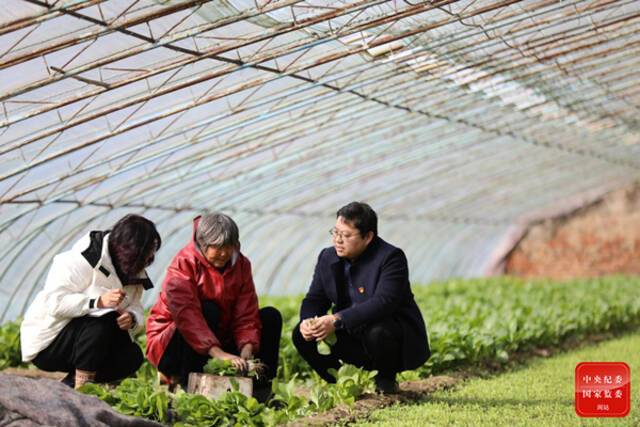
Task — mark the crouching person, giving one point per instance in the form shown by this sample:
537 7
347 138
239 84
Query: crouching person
83 320
208 308
376 320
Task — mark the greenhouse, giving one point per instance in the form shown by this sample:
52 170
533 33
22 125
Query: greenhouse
498 142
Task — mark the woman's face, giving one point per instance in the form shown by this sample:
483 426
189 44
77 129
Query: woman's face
219 256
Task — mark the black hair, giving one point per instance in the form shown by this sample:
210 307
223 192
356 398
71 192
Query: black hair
361 216
131 241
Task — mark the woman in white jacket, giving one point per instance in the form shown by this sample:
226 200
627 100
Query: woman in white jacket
83 320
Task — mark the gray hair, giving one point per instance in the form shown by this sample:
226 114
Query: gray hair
217 229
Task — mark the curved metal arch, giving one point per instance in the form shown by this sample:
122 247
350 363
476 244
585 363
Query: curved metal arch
458 83
158 189
22 193
181 85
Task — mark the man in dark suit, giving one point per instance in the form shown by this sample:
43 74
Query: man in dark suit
365 281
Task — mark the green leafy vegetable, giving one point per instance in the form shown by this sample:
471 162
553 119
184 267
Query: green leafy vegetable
220 367
10 355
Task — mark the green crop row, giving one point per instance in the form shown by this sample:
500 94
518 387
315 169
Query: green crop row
485 321
470 323
141 397
477 322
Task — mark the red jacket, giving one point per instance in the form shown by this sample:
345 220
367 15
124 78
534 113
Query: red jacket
190 279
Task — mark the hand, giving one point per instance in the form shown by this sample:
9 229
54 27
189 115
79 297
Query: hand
237 361
305 330
247 351
125 320
111 299
322 326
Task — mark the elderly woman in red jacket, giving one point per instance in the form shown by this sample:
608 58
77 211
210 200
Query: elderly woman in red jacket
208 308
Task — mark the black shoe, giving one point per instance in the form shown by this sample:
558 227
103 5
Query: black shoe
262 393
70 379
386 385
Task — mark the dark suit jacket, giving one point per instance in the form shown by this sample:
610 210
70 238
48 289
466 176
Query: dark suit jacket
381 275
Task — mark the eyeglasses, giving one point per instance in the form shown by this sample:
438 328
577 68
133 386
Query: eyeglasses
342 235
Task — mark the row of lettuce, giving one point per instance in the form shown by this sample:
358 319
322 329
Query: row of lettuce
471 323
142 397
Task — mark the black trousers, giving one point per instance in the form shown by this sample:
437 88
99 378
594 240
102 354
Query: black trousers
373 346
93 344
179 359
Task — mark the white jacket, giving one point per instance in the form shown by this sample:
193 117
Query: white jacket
76 277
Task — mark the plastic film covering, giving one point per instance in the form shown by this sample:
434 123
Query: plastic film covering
455 120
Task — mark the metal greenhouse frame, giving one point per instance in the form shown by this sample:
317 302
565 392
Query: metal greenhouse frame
458 121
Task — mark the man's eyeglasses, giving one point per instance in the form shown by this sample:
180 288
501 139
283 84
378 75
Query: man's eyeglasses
340 234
